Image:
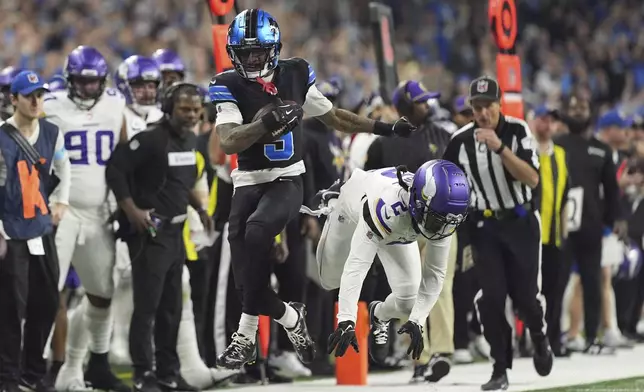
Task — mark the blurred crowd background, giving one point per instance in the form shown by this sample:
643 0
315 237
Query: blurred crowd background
592 46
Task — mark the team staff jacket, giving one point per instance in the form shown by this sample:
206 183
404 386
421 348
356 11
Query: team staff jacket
593 193
157 169
428 142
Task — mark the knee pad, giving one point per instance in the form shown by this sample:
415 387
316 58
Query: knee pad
257 237
405 304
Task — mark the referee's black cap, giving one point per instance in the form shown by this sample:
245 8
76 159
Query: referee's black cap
485 87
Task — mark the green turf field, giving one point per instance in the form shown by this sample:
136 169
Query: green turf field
625 385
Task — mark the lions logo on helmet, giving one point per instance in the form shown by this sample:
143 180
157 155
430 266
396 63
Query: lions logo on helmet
254 43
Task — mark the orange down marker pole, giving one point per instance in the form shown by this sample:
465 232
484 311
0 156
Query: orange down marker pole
502 16
352 368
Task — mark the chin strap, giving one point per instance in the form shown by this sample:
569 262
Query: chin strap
399 172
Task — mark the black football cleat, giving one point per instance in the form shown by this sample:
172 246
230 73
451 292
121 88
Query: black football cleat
299 335
145 383
99 375
498 382
176 384
378 336
543 356
238 353
439 367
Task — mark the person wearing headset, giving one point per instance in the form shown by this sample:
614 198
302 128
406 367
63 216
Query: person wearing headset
153 178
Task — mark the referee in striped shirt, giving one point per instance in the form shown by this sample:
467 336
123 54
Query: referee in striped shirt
498 155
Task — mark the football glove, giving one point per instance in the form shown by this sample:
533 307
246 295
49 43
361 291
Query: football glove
343 337
402 127
415 332
284 117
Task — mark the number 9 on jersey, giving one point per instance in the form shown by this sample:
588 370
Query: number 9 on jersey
89 148
281 149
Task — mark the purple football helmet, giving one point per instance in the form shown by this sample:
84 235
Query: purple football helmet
6 77
138 79
439 197
57 83
172 67
86 74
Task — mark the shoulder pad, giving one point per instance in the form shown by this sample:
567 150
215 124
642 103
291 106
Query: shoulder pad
219 91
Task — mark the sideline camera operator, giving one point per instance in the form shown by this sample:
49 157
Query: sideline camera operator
152 178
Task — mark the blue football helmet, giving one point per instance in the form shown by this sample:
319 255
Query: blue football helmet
86 73
439 197
254 43
138 79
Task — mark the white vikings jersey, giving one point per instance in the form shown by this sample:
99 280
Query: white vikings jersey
90 137
136 123
388 213
371 217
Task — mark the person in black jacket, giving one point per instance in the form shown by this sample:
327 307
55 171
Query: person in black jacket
152 178
590 166
428 142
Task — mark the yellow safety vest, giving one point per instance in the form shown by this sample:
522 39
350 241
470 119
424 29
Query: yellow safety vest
554 175
191 252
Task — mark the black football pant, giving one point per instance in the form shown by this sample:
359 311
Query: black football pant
28 291
586 251
507 253
258 214
291 275
555 272
157 269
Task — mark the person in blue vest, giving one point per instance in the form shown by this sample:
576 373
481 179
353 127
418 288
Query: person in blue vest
29 148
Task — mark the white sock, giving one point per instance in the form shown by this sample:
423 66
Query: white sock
187 344
248 326
77 337
387 309
99 325
290 317
122 307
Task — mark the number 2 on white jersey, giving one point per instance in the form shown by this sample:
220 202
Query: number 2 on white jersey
76 144
575 207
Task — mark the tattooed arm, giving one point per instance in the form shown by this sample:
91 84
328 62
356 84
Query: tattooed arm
235 138
347 122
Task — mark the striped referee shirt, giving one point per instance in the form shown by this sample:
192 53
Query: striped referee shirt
491 184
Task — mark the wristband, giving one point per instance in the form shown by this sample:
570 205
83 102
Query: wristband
382 129
270 122
500 149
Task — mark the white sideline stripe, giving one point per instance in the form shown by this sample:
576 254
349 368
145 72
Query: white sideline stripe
465 378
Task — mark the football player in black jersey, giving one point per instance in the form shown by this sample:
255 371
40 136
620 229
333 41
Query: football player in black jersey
268 143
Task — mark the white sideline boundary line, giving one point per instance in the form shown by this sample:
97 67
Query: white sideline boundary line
579 369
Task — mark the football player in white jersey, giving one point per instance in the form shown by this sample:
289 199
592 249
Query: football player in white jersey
90 116
138 79
382 212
